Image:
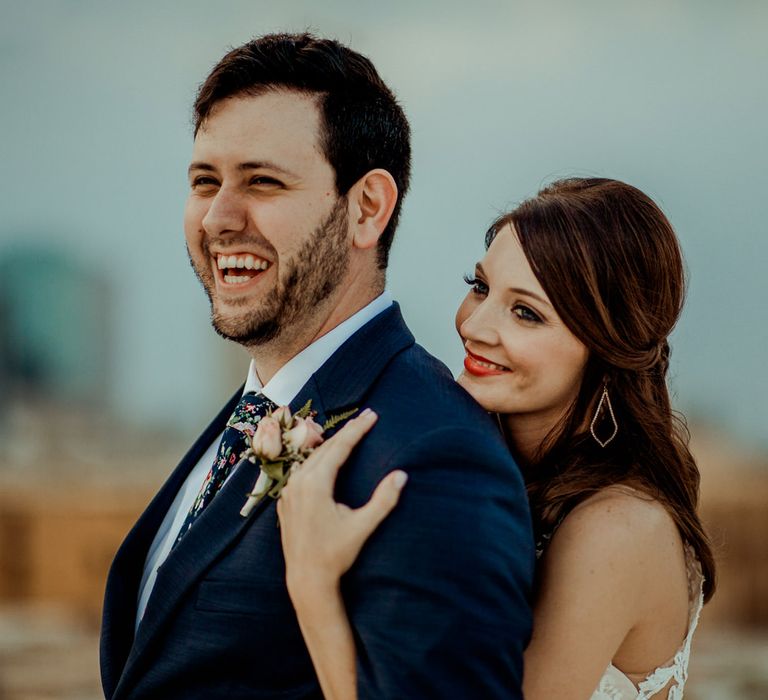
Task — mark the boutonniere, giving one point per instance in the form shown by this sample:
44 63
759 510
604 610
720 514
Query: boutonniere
281 441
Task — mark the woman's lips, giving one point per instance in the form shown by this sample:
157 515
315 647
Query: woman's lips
481 367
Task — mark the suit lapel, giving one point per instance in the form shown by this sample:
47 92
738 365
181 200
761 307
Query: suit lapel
347 376
339 384
212 533
125 574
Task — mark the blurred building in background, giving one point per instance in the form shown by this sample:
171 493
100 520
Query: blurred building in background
55 321
55 316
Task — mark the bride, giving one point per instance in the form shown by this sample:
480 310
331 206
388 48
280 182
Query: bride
565 331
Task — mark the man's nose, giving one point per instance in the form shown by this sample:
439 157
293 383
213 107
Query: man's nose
226 214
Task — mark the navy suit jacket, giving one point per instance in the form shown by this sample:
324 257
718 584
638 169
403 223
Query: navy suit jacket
438 599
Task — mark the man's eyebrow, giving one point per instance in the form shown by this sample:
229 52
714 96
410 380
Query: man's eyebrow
199 165
268 165
517 290
250 165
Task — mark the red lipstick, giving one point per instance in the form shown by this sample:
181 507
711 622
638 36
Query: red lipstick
473 366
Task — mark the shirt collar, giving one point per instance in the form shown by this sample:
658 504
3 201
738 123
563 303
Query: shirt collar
295 373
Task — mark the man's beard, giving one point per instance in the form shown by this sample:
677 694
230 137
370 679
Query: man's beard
309 278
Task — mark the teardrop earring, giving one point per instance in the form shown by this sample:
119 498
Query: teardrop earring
605 401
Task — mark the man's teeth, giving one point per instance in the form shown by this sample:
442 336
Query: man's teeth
237 279
248 262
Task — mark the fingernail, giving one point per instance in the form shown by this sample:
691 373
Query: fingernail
367 413
399 479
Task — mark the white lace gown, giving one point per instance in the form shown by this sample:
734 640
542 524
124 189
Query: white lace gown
616 685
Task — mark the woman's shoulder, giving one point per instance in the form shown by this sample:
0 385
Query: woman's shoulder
620 529
620 514
617 562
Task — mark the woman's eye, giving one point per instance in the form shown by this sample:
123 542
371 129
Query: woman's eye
526 314
478 287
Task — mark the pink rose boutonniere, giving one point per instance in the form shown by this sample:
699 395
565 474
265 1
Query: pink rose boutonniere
282 440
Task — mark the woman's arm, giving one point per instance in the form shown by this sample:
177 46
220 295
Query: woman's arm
609 570
321 540
599 578
328 636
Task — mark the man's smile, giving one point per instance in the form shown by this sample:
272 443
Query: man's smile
237 269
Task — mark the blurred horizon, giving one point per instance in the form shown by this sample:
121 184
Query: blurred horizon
502 97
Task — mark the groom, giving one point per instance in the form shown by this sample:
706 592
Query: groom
300 163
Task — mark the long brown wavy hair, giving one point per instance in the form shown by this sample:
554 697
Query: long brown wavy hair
611 265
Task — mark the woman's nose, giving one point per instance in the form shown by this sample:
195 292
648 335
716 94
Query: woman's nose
481 325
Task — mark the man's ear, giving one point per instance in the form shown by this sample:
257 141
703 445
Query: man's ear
372 200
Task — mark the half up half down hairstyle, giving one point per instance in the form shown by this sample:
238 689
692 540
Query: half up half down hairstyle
611 265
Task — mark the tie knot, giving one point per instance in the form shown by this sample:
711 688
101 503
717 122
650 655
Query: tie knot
251 408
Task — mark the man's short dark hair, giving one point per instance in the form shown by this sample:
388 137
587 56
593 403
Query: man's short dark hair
362 125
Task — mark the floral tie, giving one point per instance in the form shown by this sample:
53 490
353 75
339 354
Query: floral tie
241 425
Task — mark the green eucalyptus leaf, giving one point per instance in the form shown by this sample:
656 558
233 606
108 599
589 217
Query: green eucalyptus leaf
305 410
333 421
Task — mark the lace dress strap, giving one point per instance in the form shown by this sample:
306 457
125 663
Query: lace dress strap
616 685
677 669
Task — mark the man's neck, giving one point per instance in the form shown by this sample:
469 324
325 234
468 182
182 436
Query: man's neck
270 357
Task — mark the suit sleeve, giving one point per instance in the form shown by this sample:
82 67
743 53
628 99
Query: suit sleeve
439 599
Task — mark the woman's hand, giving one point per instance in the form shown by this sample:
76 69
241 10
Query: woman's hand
321 538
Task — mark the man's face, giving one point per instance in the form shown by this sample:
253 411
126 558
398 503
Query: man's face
266 232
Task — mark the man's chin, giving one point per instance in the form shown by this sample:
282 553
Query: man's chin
246 331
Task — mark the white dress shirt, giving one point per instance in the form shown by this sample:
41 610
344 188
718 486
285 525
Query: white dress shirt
282 389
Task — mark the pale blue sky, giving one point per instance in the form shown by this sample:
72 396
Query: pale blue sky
502 96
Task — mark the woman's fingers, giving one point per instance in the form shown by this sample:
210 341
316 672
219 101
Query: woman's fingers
335 451
317 474
384 499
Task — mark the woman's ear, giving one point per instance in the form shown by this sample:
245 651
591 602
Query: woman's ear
372 200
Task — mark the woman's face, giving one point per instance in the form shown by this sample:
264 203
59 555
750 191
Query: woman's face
521 358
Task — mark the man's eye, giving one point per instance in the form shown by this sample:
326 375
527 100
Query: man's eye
526 314
478 287
202 181
264 180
